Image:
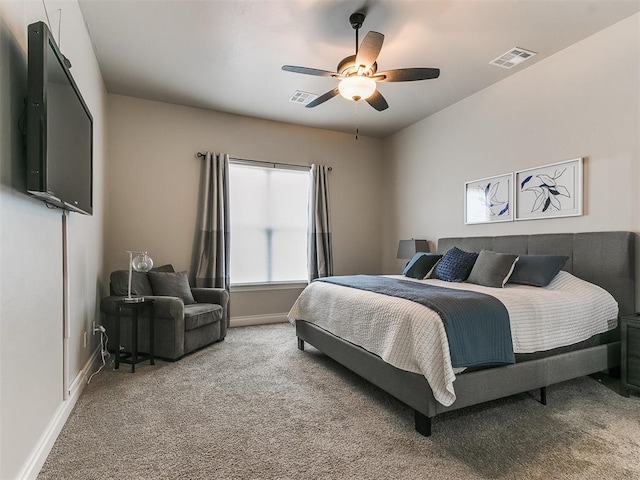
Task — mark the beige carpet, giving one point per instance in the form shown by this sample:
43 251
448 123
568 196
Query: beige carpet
255 407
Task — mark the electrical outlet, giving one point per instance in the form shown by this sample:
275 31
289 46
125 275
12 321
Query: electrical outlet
84 340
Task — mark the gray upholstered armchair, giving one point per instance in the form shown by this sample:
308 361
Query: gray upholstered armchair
186 319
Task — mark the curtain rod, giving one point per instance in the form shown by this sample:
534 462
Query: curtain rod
261 162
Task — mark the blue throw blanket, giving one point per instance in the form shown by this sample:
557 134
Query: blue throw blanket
477 325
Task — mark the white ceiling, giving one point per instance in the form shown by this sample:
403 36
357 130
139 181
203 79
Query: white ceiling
227 55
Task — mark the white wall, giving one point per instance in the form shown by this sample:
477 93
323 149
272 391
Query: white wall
154 179
581 102
32 409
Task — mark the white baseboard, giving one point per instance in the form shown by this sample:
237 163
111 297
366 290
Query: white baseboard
48 438
258 319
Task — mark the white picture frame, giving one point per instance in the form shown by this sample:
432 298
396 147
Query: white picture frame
489 200
550 191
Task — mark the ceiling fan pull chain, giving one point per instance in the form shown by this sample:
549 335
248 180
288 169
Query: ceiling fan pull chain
357 119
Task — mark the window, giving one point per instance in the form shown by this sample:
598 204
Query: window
268 213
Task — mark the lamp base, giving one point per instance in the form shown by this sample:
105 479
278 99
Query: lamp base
133 299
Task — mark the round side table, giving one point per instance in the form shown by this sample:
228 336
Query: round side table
135 309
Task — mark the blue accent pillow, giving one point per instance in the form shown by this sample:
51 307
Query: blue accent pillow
455 266
537 270
420 265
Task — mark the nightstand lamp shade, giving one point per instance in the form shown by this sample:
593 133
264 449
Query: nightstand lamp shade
408 248
139 263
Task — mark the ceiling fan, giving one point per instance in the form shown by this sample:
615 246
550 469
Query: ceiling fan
358 74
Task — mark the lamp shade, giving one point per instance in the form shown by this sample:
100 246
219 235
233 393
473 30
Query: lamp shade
356 87
408 248
142 262
139 263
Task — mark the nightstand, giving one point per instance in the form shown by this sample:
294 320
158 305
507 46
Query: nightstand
630 337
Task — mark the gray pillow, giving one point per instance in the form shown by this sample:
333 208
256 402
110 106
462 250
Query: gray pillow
172 284
163 268
420 265
537 270
492 269
119 282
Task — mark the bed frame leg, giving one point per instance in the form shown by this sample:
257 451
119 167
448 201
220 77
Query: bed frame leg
423 424
300 344
543 395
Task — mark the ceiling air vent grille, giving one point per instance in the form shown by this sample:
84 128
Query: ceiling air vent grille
513 57
302 97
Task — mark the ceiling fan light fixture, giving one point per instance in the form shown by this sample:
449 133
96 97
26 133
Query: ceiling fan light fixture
358 73
357 87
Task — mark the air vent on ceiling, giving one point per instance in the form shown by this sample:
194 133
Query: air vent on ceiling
513 57
302 97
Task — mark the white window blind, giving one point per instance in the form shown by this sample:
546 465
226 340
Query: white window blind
268 213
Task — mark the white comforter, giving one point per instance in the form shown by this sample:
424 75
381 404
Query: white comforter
412 337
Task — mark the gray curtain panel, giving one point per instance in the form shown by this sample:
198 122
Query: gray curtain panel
211 245
319 251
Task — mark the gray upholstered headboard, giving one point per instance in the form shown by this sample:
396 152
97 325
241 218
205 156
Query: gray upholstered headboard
606 259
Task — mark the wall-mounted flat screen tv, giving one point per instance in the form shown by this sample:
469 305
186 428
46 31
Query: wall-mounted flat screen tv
59 128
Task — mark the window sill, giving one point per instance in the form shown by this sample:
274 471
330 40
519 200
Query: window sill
255 287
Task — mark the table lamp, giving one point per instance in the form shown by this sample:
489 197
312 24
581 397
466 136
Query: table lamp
140 263
408 248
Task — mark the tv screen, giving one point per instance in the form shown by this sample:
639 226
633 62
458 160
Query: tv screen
59 128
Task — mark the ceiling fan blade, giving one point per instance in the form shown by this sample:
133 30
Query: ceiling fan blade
369 50
407 75
309 71
377 101
323 98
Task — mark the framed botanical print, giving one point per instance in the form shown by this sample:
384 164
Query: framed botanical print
489 199
548 191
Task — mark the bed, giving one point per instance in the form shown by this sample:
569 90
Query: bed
606 259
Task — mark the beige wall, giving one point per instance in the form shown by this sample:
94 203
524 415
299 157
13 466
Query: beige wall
581 102
154 179
32 409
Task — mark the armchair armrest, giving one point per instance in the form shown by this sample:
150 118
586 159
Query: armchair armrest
163 307
218 296
167 307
